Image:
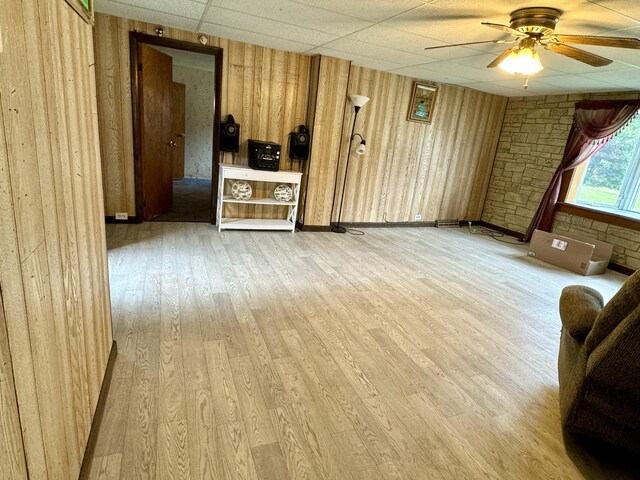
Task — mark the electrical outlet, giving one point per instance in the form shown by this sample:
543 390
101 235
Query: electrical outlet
418 217
122 216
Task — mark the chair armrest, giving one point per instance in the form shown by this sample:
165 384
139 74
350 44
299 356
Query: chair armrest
579 307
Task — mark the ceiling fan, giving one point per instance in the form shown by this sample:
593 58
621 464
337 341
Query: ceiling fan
535 26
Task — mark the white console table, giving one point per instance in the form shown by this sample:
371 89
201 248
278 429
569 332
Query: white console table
243 172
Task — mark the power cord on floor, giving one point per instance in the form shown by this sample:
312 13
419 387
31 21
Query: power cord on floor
495 235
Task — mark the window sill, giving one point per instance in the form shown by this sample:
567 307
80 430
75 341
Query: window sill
599 215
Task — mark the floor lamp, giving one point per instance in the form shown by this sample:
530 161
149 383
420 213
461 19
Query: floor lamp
358 102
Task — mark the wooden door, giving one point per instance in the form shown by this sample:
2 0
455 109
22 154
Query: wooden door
156 135
178 100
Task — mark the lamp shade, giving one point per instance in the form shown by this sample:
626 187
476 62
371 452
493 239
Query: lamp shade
524 60
359 100
362 149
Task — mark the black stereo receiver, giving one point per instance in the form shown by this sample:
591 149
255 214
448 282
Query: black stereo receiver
264 155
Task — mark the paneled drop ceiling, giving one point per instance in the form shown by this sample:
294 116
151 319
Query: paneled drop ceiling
390 35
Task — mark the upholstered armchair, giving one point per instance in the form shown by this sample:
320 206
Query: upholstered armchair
599 363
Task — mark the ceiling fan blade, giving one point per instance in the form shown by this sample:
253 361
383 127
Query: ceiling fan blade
506 29
468 43
617 42
577 54
500 58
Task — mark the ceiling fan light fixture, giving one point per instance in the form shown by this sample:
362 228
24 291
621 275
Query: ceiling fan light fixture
525 60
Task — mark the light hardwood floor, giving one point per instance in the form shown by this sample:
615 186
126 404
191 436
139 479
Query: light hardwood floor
403 354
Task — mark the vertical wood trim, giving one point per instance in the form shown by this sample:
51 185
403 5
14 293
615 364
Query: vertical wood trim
215 170
134 68
89 451
312 95
12 455
327 127
341 171
12 100
61 377
52 246
67 231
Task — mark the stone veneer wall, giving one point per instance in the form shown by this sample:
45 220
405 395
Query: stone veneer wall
534 133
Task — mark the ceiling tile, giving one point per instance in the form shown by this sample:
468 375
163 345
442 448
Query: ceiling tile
498 89
450 53
570 83
625 7
453 69
476 61
590 18
425 73
265 26
360 60
296 14
146 15
629 78
181 8
438 23
370 10
391 35
254 38
383 53
384 36
516 84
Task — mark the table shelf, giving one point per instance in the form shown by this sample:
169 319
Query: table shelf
257 201
244 172
255 224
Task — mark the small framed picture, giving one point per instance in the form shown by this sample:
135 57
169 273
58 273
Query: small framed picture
423 100
84 9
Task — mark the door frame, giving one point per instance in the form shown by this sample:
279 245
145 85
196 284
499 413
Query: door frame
136 38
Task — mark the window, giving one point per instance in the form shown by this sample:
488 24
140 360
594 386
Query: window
610 179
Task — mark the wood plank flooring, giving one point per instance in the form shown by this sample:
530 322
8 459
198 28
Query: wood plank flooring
403 354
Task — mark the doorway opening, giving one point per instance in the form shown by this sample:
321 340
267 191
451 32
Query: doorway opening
176 89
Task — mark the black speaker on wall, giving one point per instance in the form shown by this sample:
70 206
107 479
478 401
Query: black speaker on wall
229 135
299 143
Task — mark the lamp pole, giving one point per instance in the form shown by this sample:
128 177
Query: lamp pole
337 228
358 102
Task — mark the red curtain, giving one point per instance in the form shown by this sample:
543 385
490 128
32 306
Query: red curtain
594 124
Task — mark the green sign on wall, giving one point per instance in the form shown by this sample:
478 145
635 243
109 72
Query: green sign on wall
84 9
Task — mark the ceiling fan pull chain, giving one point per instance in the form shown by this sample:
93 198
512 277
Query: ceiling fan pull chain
526 83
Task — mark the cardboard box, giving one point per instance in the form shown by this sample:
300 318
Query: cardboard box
576 253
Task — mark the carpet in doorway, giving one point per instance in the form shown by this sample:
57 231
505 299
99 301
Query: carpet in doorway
191 201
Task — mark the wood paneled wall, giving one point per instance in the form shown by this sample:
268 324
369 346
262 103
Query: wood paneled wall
439 170
11 446
264 89
329 86
53 267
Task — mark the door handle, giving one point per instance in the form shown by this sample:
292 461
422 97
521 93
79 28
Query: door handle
181 135
172 143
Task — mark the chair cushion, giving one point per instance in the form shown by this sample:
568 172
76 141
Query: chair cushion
579 307
617 309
